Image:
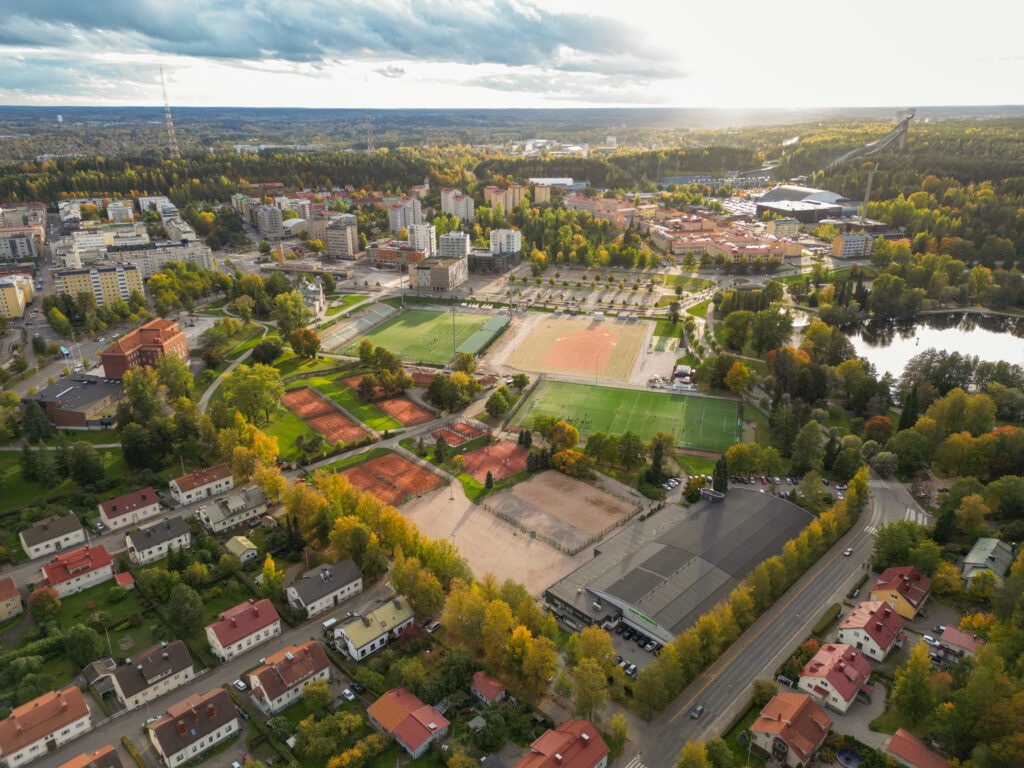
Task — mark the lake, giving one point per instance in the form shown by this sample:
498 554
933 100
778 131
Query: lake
991 338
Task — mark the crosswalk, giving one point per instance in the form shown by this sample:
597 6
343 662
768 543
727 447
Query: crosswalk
635 763
870 529
914 515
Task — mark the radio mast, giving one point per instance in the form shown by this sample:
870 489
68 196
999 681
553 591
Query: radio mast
172 142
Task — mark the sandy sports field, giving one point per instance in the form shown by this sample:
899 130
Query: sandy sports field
392 478
400 408
490 545
500 459
578 346
562 508
322 416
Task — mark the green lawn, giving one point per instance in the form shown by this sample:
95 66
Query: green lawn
700 310
750 413
695 283
74 610
286 427
355 459
18 492
346 301
246 345
93 436
423 335
740 751
696 422
666 327
290 364
346 397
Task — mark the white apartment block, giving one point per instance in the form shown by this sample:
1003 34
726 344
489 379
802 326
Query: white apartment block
454 245
404 214
424 237
151 673
121 211
506 241
202 484
150 258
456 203
270 222
18 246
54 534
242 628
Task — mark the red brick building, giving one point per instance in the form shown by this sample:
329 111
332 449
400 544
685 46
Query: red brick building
144 346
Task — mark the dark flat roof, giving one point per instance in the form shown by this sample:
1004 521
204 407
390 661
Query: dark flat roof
77 392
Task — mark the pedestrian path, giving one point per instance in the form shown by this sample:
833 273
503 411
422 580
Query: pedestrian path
635 762
917 516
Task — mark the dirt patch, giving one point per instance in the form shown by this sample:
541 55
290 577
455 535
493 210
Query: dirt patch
392 478
305 403
500 459
335 427
405 411
540 504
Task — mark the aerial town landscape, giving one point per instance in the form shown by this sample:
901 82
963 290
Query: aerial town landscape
602 437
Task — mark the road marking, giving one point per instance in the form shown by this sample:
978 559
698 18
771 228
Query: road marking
921 518
635 763
871 529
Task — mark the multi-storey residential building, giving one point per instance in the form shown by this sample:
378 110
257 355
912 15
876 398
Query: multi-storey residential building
156 541
145 346
791 728
325 587
18 245
410 722
54 534
404 214
506 241
852 245
241 508
365 634
105 283
269 222
10 599
573 744
161 204
193 726
835 675
873 628
80 400
150 258
202 484
121 210
541 193
130 509
455 203
424 237
104 757
506 198
440 274
38 727
78 569
282 677
393 254
783 228
151 673
906 589
341 239
15 294
454 245
242 628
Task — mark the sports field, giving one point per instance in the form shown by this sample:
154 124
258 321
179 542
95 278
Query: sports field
423 335
699 423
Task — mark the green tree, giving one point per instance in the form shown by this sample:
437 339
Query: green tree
255 390
273 580
185 605
808 451
305 342
912 693
34 424
632 450
720 478
84 463
496 404
590 690
317 697
465 362
290 312
520 381
174 376
83 645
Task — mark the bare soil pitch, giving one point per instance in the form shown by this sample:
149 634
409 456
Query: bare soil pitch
321 415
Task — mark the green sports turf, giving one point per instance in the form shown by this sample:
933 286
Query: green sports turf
419 334
699 423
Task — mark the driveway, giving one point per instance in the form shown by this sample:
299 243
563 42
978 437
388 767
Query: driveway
855 721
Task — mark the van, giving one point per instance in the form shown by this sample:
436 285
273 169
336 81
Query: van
328 625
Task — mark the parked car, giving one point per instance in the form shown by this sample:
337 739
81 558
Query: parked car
619 629
618 659
239 685
349 696
939 629
434 627
930 640
631 670
650 646
357 687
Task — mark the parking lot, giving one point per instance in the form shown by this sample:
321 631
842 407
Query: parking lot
630 651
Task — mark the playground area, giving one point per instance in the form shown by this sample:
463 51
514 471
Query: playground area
392 478
579 346
500 459
423 335
321 415
400 408
696 422
539 505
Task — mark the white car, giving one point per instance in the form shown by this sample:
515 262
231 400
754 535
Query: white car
930 640
349 696
848 551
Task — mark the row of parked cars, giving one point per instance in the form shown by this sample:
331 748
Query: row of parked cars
672 482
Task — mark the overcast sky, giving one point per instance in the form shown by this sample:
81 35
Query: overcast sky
511 53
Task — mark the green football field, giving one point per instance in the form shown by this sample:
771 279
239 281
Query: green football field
419 334
699 423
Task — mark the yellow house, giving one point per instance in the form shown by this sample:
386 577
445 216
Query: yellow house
906 589
105 283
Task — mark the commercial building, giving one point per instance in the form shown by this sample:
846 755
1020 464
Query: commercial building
241 508
836 675
404 214
393 254
990 555
80 400
324 587
282 677
423 237
107 284
156 541
131 509
202 484
269 222
454 245
440 274
144 346
15 294
455 203
906 589
150 258
853 245
410 722
38 727
783 228
506 241
573 744
791 729
804 211
78 569
653 578
18 245
242 548
910 751
873 628
104 757
10 599
242 628
151 673
487 688
193 726
54 534
365 634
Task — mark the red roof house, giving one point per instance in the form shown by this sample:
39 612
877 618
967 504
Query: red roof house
791 728
78 569
912 752
130 509
408 720
873 628
959 642
906 589
573 744
835 675
243 627
487 689
282 677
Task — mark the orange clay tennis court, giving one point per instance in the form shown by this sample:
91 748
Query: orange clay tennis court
364 480
392 478
321 415
581 346
304 403
501 460
400 408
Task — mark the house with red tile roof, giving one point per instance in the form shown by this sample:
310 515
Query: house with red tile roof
906 589
281 679
912 752
956 643
193 726
835 675
573 744
487 688
791 728
242 628
202 484
54 718
104 757
10 599
409 721
131 509
78 569
873 628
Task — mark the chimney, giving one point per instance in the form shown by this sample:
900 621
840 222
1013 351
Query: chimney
255 610
233 622
211 710
181 727
558 758
195 714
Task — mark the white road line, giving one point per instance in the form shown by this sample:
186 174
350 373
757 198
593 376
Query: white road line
871 529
